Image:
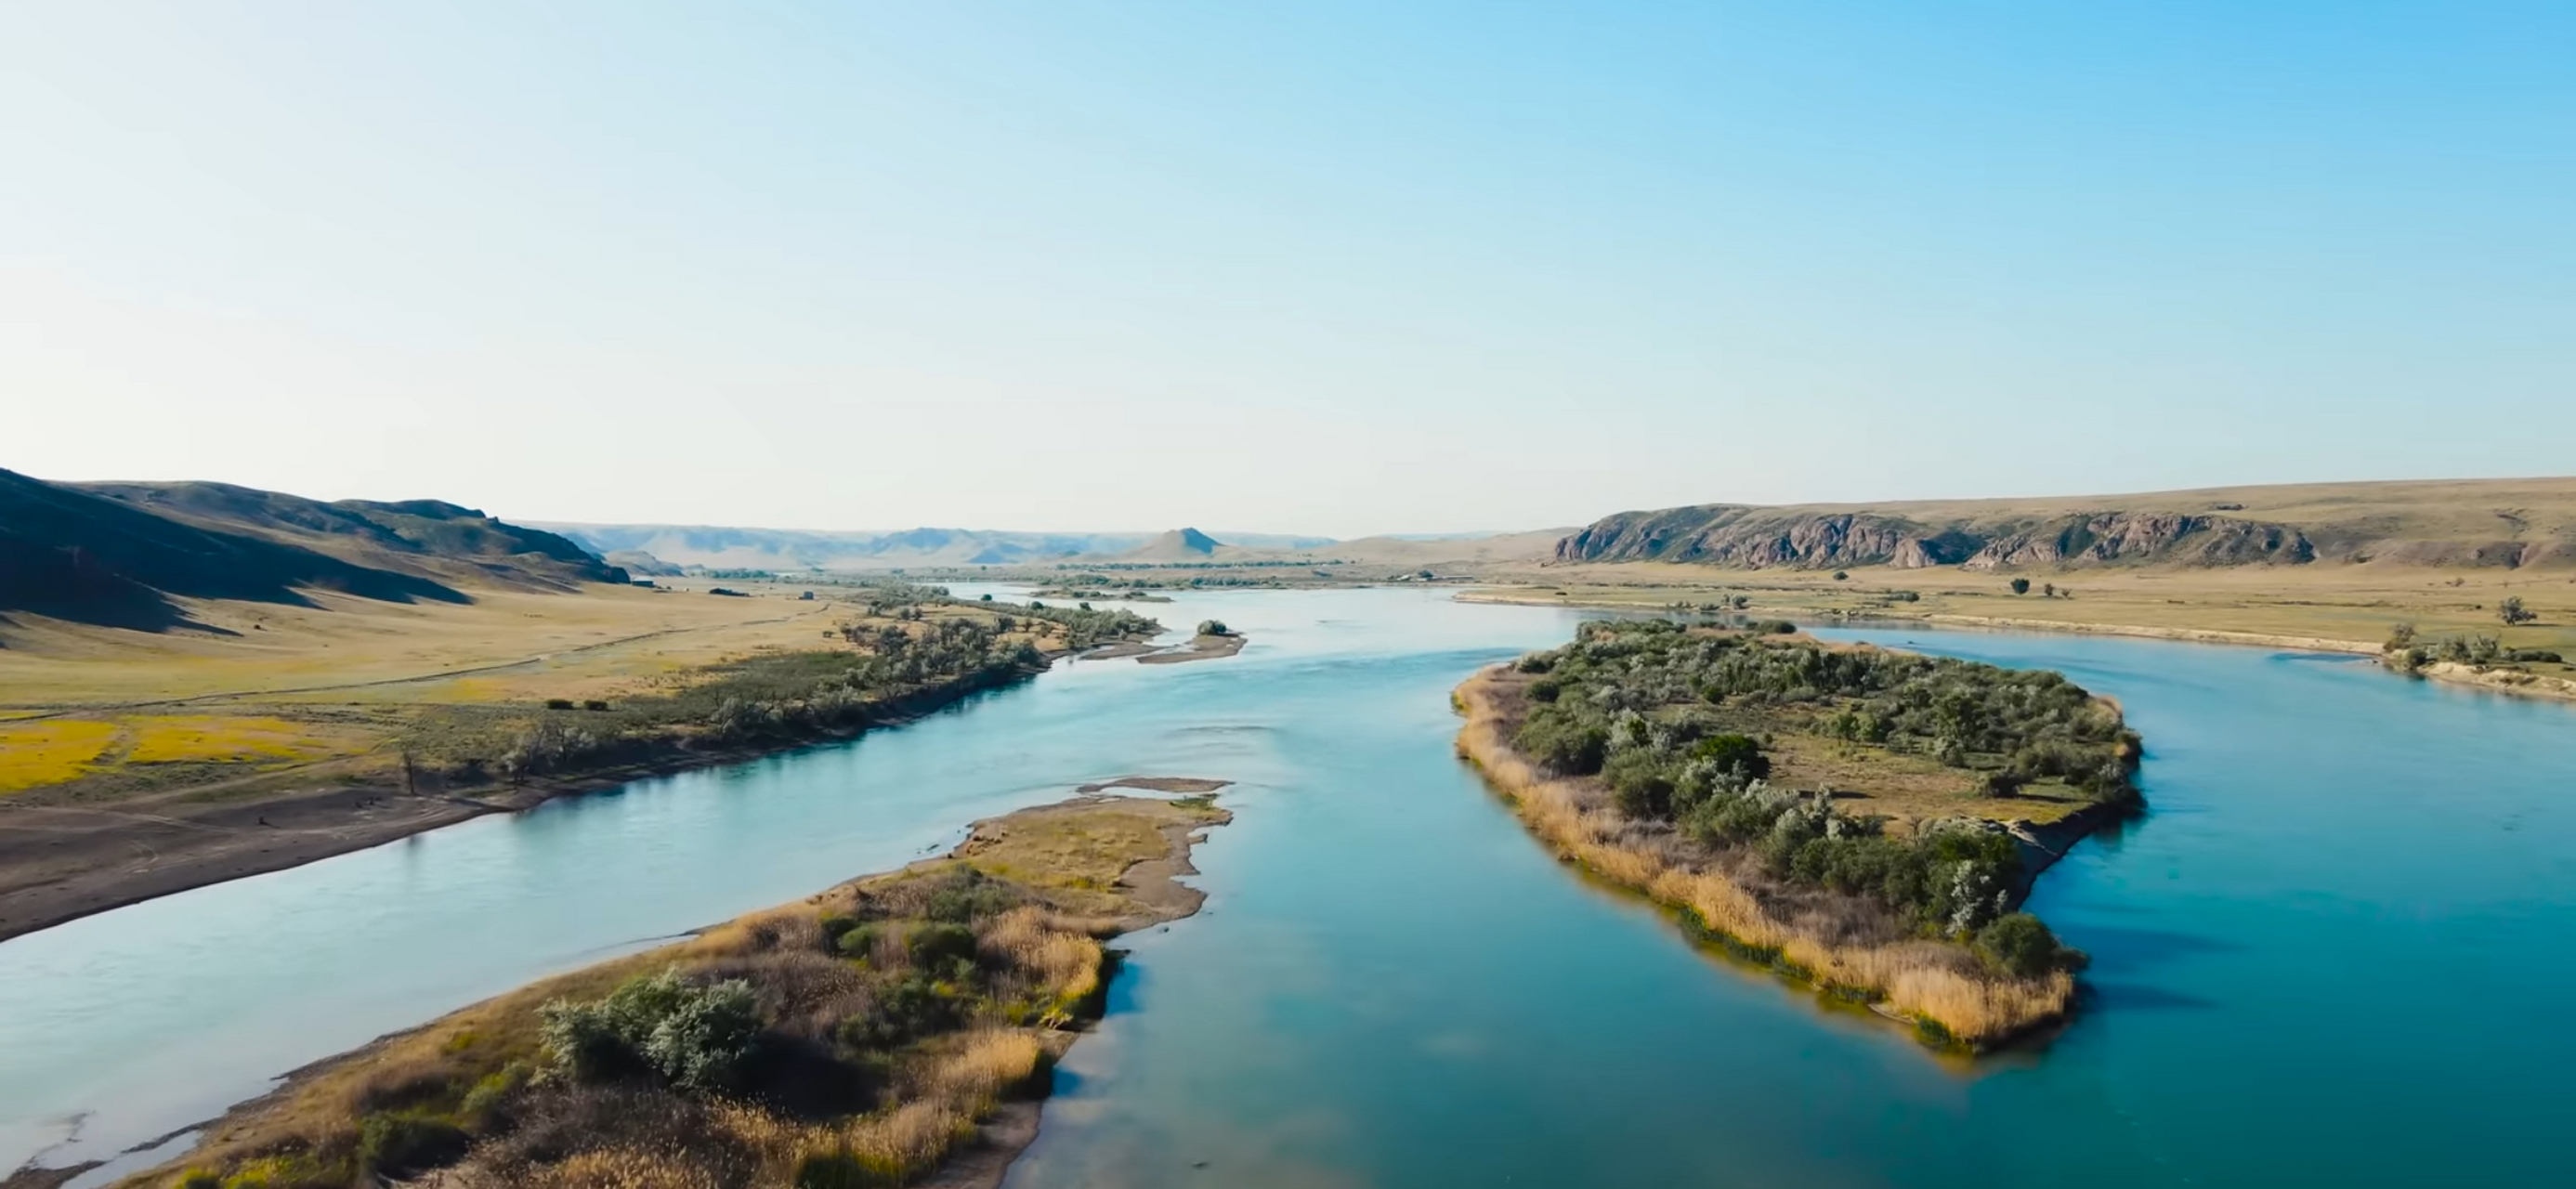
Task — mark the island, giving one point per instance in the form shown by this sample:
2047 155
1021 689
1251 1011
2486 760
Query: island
893 1027
1863 820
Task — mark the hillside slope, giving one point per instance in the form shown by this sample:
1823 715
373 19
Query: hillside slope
123 554
2506 523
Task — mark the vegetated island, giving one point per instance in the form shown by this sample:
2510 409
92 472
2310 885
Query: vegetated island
1212 641
1863 820
895 1027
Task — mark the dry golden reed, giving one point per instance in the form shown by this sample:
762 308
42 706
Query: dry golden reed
1917 979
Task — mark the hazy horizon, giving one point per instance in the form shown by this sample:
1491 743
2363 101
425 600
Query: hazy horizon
1331 270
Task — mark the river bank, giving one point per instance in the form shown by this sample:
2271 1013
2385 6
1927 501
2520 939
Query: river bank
1831 605
1031 894
67 862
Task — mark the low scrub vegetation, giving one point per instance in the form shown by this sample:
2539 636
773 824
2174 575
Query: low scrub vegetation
1644 750
853 1040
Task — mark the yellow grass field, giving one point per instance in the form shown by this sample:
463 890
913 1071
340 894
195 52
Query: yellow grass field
34 754
218 739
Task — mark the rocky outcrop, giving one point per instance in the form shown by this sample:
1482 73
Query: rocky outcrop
1764 538
1756 538
2145 537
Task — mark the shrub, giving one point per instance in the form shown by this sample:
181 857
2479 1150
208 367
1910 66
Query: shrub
903 1009
694 1037
845 1170
1740 755
1564 741
558 703
1641 784
858 941
942 948
2021 586
396 1145
2019 945
594 704
1214 627
1840 575
968 894
2512 612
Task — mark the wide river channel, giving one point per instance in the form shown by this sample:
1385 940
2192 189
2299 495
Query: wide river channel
2331 955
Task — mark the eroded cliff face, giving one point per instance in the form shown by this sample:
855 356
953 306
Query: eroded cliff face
1764 538
2146 537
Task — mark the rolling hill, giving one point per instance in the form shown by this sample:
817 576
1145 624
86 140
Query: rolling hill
124 554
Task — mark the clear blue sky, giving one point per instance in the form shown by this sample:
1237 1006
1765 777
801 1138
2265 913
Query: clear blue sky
1310 267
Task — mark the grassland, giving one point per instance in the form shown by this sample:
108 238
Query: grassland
2322 607
134 764
866 1036
1861 821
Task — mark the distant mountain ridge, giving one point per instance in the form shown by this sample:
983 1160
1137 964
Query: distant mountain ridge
718 547
119 554
2510 523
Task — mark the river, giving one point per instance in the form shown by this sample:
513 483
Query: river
2320 960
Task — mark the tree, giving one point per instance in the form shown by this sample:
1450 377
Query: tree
2021 586
2512 612
1840 575
1213 627
2048 590
2400 638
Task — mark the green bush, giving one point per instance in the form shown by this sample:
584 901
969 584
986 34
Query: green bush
2020 945
858 941
1740 755
1564 740
693 1036
906 1008
942 948
397 1145
968 895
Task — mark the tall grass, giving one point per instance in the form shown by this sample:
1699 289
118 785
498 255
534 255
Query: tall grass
1917 979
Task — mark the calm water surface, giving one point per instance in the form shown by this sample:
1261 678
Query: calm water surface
2320 961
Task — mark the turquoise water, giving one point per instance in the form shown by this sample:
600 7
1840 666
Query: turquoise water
2323 959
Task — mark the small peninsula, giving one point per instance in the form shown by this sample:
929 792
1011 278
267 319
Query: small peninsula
889 1028
1864 820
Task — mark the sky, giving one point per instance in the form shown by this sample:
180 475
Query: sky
1303 267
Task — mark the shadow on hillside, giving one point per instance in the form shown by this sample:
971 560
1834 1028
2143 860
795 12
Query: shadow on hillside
74 556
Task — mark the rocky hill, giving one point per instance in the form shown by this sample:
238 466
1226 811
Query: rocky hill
2506 523
1178 545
